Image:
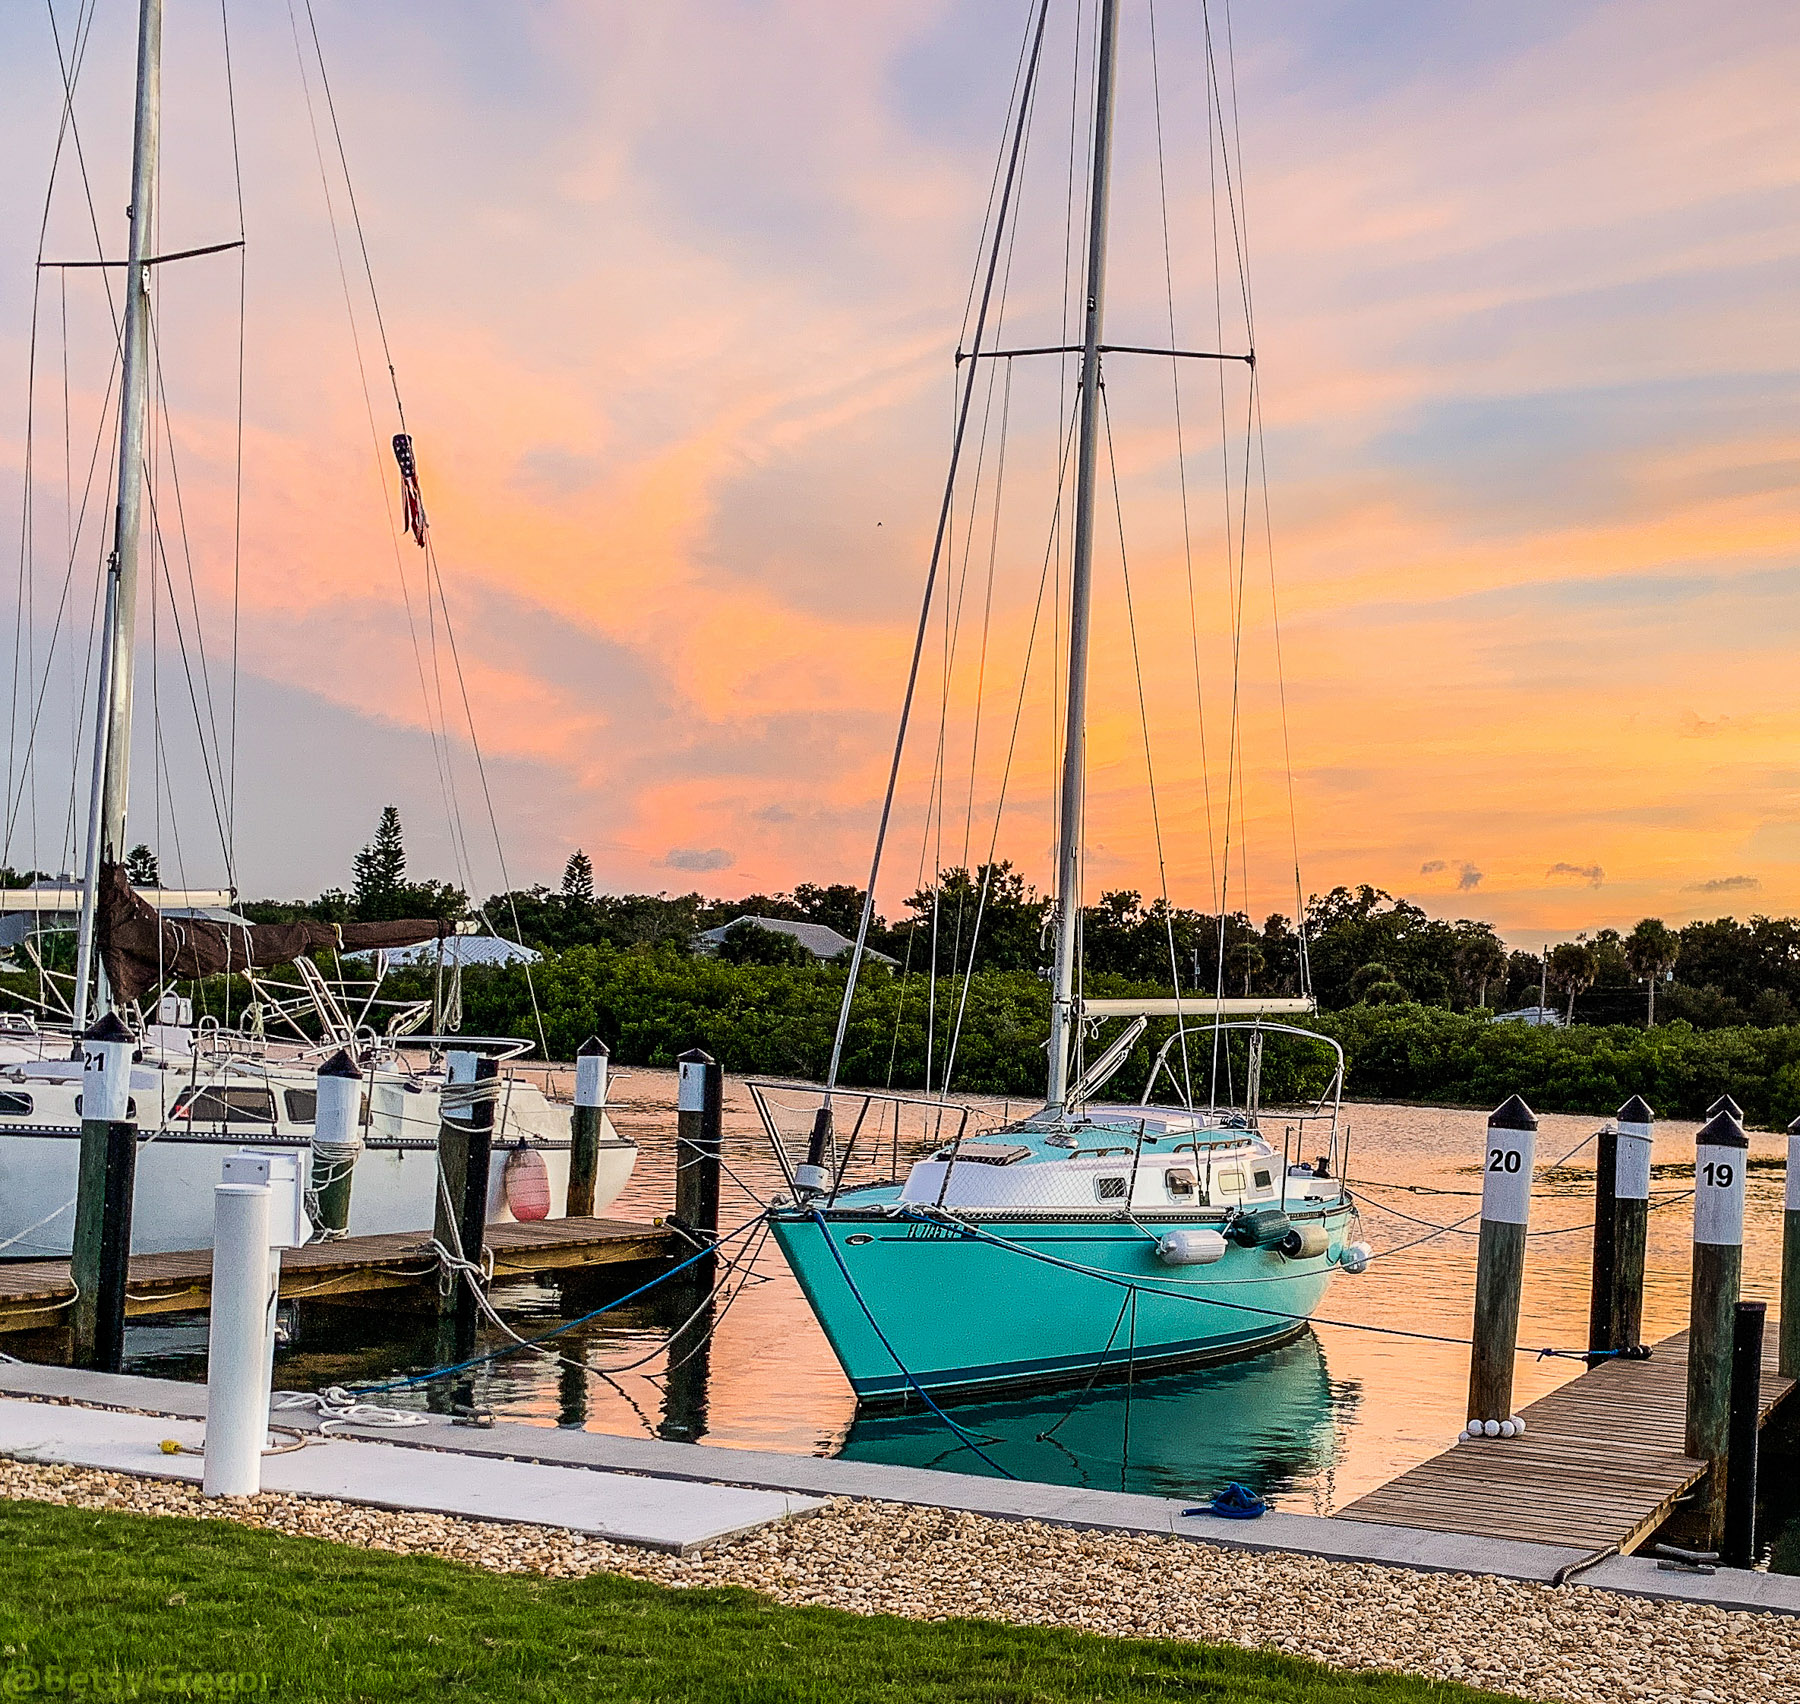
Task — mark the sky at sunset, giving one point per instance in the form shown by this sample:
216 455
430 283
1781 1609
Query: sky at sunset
672 292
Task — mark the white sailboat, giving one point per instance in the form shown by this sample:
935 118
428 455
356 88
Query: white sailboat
200 1090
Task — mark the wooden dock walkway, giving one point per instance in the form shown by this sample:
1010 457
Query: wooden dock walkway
37 1293
1600 1463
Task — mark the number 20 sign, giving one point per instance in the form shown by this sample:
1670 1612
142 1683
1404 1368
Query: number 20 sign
1506 1176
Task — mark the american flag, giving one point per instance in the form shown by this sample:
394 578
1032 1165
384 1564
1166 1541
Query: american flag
409 487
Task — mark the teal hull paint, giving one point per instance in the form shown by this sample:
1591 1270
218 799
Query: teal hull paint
965 1316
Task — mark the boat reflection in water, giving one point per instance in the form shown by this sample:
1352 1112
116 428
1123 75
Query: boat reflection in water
1267 1422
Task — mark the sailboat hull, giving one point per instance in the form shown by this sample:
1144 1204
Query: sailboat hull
1008 1304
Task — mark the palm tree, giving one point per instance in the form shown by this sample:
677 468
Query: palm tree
1651 950
1480 957
1573 967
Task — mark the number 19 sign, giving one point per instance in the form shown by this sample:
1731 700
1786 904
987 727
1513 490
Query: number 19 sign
1719 1159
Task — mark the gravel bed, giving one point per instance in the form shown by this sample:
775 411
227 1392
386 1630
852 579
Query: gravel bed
1568 1644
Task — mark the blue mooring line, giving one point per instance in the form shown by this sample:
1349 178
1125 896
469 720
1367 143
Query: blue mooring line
567 1325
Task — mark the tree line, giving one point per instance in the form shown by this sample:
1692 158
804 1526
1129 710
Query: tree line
1360 946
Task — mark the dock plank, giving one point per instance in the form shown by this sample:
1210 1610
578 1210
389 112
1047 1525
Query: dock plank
36 1293
1601 1462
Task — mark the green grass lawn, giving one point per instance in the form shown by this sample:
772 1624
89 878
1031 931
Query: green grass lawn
106 1598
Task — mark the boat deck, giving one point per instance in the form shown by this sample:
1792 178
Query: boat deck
36 1293
1600 1463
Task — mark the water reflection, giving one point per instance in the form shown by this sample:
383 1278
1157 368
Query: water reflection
1269 1422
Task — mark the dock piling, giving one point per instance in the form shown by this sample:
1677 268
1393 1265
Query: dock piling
101 1252
699 1136
336 1144
1509 1154
1621 1229
1790 1260
591 1061
1739 1549
259 1208
465 1150
1720 1151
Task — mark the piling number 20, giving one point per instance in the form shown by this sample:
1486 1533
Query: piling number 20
1717 1174
1502 1159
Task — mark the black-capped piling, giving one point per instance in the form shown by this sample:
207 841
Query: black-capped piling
1790 1259
591 1070
465 1153
101 1252
699 1138
1720 1150
339 1117
1621 1229
1508 1156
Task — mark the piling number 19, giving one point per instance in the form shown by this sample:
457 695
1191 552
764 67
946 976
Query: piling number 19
1719 1195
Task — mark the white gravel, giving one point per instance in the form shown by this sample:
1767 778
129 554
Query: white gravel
1571 1643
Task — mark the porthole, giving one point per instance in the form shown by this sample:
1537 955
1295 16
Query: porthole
858 1240
1110 1188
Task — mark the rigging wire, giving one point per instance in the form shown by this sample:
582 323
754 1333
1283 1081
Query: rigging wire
862 931
1137 667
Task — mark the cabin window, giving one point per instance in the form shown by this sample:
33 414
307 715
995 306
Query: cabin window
1180 1183
14 1105
302 1105
1262 1180
1110 1188
1232 1181
225 1106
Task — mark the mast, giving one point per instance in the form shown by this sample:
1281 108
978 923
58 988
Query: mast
112 723
1064 995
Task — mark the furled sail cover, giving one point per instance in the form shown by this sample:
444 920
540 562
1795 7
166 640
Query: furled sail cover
141 948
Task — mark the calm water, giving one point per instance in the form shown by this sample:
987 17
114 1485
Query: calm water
1312 1426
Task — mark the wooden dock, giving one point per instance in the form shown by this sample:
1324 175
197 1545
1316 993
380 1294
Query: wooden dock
35 1294
1600 1463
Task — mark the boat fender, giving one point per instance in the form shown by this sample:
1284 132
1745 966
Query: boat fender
1190 1248
1355 1257
1263 1229
526 1185
1305 1242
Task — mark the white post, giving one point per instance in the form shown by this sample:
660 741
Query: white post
240 1341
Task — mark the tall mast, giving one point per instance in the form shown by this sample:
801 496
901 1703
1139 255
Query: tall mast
112 727
1064 996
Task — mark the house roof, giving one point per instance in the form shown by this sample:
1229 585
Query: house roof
819 939
466 950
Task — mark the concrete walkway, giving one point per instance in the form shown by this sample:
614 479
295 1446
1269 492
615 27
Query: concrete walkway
808 1478
656 1513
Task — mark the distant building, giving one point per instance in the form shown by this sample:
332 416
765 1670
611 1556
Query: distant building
1545 1017
822 941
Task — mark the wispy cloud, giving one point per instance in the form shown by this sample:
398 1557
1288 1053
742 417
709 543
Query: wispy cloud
1592 874
1725 884
698 858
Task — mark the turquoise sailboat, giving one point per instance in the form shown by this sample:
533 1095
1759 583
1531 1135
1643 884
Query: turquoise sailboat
1092 1239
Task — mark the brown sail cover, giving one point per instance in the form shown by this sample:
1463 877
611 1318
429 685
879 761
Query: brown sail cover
140 948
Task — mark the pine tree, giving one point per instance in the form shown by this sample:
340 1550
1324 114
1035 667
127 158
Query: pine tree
578 879
142 868
379 869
